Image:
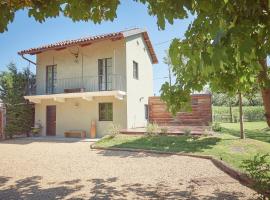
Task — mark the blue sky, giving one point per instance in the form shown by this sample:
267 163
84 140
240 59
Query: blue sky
25 33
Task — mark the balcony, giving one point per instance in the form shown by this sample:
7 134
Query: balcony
85 87
82 84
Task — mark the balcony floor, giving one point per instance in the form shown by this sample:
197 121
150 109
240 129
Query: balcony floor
88 96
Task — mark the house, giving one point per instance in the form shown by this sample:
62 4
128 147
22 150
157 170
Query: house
103 79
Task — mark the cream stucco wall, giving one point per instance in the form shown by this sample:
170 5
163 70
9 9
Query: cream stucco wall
139 90
77 114
127 113
67 68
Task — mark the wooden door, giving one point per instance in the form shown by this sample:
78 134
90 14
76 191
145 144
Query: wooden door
51 120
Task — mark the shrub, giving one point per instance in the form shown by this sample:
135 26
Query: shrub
187 131
163 131
216 127
258 169
152 129
114 129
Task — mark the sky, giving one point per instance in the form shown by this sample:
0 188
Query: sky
24 33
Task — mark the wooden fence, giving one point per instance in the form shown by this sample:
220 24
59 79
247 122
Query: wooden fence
201 114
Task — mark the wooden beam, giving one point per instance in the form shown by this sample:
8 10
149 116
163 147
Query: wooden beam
86 44
59 99
61 48
37 101
87 98
119 96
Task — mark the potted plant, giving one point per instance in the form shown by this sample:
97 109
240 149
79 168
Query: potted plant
36 130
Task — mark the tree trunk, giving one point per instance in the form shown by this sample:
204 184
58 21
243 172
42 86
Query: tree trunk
264 80
242 135
231 117
266 103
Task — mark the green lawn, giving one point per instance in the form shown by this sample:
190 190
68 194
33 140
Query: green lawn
223 146
253 130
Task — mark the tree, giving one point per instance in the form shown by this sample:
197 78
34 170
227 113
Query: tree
226 38
220 29
13 87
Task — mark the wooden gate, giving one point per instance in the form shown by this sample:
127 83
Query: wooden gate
201 114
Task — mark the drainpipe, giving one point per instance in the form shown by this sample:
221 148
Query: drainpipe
28 59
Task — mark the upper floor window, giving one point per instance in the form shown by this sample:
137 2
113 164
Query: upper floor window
51 73
105 74
135 70
105 111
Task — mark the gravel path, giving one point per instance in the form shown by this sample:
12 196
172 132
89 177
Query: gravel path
70 170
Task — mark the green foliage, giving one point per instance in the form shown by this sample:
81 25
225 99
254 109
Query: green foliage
152 129
216 127
259 170
14 86
221 99
251 113
93 10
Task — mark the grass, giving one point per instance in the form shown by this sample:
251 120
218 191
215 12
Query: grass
226 145
253 130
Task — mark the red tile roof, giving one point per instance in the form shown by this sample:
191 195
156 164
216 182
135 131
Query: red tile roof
88 40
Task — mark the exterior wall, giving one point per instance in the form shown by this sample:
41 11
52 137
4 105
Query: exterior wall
128 113
139 90
77 114
67 68
201 112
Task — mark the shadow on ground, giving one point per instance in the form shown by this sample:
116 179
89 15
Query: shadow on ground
30 188
111 188
104 189
184 144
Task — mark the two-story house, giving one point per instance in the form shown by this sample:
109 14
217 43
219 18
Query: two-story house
106 78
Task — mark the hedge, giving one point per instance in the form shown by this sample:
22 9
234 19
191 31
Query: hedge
250 113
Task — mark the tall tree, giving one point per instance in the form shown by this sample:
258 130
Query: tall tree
14 85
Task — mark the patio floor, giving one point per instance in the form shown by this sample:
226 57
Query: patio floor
173 130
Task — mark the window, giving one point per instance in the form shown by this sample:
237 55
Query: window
105 112
135 70
51 74
146 111
105 74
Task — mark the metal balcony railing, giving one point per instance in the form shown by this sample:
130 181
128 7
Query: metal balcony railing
83 84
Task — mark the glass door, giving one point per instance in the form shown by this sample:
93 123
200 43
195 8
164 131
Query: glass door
51 79
105 74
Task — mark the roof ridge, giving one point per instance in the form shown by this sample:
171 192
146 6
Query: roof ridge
94 38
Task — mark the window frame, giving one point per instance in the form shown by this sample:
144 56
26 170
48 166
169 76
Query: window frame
135 72
53 80
146 111
106 111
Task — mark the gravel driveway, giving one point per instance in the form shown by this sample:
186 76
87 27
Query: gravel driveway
70 170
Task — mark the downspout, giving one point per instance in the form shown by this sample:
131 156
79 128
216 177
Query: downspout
22 55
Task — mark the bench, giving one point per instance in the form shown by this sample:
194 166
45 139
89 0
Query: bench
75 134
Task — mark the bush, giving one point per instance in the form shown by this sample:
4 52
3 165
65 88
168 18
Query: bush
187 131
152 129
114 130
250 113
163 131
258 169
216 127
